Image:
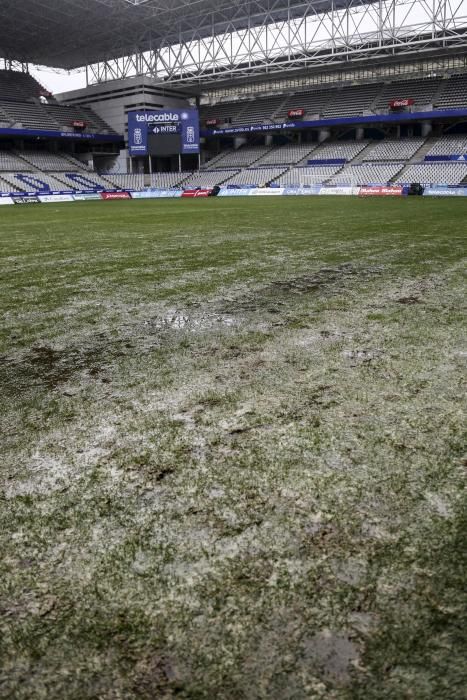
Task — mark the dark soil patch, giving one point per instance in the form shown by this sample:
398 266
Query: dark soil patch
409 300
49 367
273 296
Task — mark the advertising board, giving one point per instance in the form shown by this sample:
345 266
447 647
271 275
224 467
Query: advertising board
268 191
404 102
55 198
157 194
235 192
115 195
296 113
6 200
28 199
141 123
342 190
439 191
297 191
85 197
381 191
197 193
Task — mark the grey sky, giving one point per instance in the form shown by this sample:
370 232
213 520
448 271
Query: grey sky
58 81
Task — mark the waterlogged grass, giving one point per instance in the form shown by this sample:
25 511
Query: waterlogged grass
233 450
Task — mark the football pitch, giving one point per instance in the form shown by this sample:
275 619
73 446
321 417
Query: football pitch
233 450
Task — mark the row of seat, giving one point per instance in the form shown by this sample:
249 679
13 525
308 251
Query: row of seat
389 149
27 160
25 103
354 100
356 162
447 173
18 86
40 182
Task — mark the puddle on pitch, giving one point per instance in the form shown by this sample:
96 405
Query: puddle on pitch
176 320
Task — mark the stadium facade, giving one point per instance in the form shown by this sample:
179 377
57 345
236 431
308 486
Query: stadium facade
289 94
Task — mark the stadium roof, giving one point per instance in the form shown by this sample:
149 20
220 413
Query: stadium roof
69 34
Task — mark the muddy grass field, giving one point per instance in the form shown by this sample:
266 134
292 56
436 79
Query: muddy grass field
233 456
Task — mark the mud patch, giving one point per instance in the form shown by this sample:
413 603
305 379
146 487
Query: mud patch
332 654
273 296
178 320
309 283
50 367
362 356
156 676
409 300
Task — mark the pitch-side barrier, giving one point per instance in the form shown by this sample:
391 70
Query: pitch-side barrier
311 190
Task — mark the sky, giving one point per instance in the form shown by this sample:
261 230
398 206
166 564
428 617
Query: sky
56 81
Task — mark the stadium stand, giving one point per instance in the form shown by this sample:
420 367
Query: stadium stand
10 161
367 174
28 115
453 93
393 150
4 120
46 161
64 116
243 157
255 176
260 110
209 178
339 150
127 181
168 180
211 161
448 173
86 180
312 175
389 159
20 87
20 106
222 113
288 154
449 145
422 91
34 182
313 102
352 101
9 183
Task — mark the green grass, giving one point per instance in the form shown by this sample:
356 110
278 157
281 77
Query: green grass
233 450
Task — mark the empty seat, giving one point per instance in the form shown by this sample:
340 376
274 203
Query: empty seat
19 86
127 181
243 157
168 180
449 173
311 175
288 154
342 150
208 178
453 93
351 101
421 91
449 145
255 176
394 149
10 161
366 174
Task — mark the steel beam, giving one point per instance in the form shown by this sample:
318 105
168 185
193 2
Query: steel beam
339 37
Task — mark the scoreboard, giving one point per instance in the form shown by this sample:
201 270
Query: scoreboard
163 132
